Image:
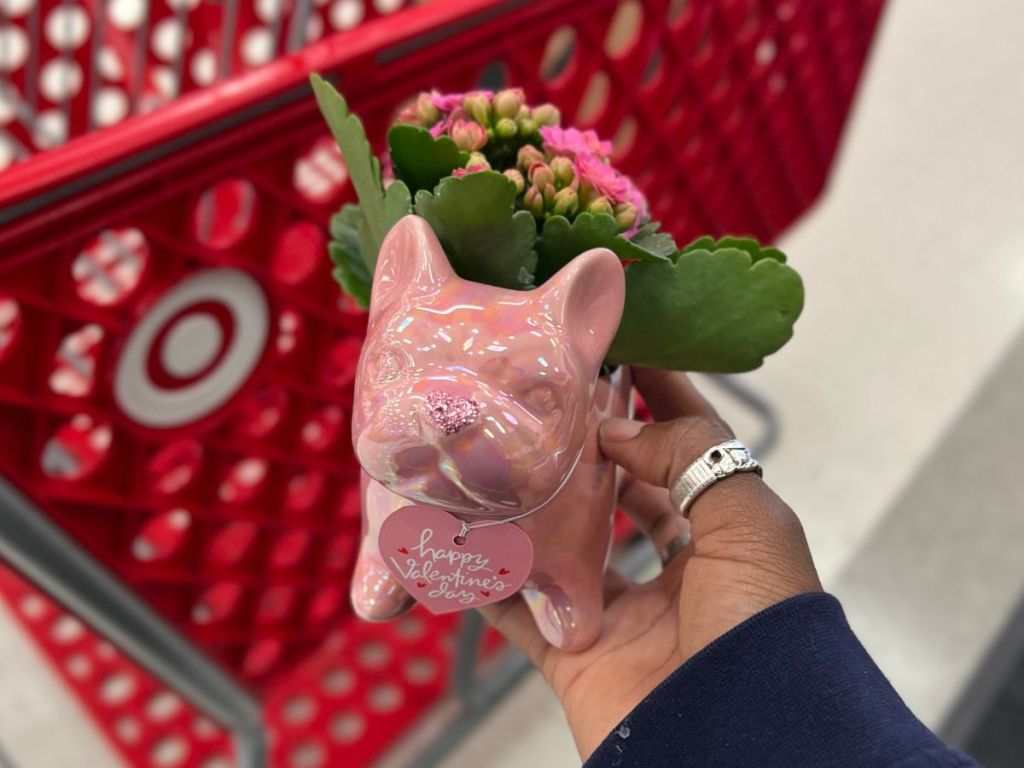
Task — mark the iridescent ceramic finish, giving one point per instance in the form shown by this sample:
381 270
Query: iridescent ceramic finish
485 402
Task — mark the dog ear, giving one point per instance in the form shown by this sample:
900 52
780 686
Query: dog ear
411 262
587 296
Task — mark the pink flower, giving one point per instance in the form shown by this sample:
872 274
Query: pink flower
608 182
446 102
572 141
387 168
449 120
460 172
468 136
639 201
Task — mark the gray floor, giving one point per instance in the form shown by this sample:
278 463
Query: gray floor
997 740
950 553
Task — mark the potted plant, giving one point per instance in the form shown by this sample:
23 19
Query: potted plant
512 277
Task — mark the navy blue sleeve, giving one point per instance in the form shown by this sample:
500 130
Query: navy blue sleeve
791 686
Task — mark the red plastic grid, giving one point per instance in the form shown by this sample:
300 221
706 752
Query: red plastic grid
68 67
147 724
240 526
364 688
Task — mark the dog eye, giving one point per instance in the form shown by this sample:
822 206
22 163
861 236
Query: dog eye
542 398
388 364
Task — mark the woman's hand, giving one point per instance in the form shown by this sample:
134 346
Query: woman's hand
742 551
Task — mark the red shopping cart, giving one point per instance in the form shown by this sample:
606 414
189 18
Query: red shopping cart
176 364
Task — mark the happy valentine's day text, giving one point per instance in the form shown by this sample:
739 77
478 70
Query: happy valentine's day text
449 585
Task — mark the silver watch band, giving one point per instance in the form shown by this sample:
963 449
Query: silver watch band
718 462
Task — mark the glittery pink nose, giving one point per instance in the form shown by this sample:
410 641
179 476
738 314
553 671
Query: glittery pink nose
449 413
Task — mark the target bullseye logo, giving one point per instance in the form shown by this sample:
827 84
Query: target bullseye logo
193 350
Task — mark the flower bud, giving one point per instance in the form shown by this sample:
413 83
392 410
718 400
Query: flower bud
549 193
478 107
505 128
565 175
477 160
516 178
625 215
408 115
468 136
541 175
565 202
528 155
533 201
547 114
601 205
527 127
508 102
426 111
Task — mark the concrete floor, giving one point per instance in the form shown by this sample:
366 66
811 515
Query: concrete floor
914 268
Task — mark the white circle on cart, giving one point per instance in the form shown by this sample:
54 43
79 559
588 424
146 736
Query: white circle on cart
165 80
51 129
257 46
151 405
6 111
169 36
67 27
204 66
13 9
314 28
109 65
60 79
13 48
7 155
268 11
126 14
191 345
345 14
110 106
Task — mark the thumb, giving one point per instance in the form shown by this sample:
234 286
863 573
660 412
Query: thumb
658 453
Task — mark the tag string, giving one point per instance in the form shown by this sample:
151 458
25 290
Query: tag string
467 527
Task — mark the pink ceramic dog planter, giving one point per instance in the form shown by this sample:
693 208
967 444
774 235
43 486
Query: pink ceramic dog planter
476 405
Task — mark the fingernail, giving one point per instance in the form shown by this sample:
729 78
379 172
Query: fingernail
619 430
376 595
553 614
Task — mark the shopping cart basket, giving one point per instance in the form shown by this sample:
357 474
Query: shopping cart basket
176 365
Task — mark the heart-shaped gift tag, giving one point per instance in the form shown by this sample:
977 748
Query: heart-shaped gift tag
421 545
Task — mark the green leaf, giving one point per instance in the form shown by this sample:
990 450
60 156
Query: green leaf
747 244
421 160
704 242
717 311
350 269
561 242
381 208
345 224
650 239
487 240
351 273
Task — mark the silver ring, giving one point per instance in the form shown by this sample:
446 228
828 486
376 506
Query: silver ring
717 463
